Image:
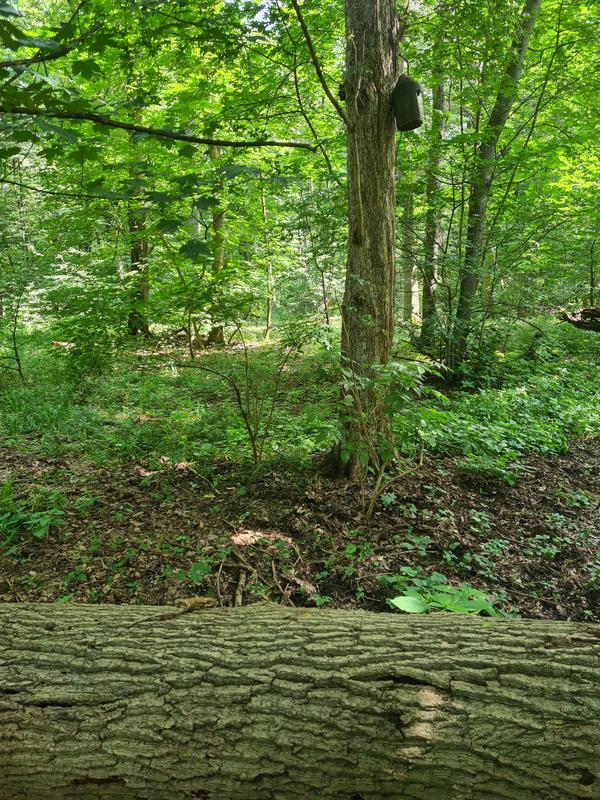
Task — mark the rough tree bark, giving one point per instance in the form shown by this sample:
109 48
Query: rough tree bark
372 38
266 703
485 159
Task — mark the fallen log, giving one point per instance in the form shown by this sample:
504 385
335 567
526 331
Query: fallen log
267 703
587 319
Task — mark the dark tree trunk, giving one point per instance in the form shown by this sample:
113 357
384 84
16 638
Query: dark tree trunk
270 288
588 319
266 703
592 271
138 318
485 159
372 38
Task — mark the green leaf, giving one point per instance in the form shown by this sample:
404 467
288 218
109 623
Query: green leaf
63 133
23 136
7 152
195 250
204 203
168 225
187 151
8 10
85 67
412 604
198 570
42 44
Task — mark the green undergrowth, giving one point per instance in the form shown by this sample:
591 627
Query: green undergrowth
490 431
147 408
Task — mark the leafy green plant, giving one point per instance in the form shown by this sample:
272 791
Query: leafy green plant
17 518
321 600
197 572
76 575
490 431
413 543
255 394
392 388
419 594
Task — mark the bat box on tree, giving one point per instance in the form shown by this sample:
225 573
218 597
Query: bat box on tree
405 102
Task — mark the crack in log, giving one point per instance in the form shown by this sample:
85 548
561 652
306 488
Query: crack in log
112 779
396 719
405 680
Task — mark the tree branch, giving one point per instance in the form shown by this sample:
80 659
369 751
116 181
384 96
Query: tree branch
161 133
62 51
78 196
315 60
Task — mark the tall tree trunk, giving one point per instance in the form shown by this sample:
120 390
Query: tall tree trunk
138 318
592 272
432 221
266 703
324 298
136 217
372 38
485 160
269 303
217 334
410 289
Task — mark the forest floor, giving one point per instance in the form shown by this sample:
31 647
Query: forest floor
136 485
125 536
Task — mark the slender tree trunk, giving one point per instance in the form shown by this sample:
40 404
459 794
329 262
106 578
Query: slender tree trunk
13 334
592 272
136 218
432 221
217 333
269 303
267 703
324 297
485 159
140 295
372 38
410 290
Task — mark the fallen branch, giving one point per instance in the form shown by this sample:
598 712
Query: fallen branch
588 319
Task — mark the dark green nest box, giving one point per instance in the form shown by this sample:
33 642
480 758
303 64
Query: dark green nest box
405 102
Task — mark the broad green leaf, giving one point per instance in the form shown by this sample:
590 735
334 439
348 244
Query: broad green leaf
87 68
411 604
48 127
168 225
204 203
187 151
195 250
